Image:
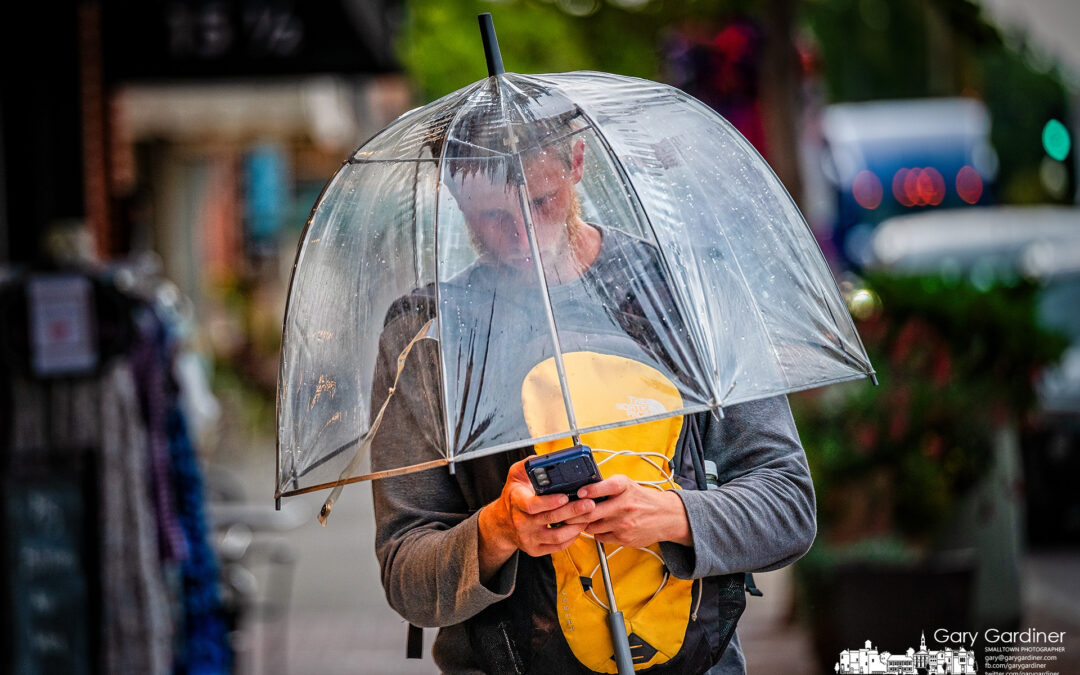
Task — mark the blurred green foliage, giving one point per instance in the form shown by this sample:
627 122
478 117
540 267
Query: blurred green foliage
955 364
883 49
869 49
441 48
1022 99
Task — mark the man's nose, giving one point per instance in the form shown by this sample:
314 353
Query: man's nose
514 222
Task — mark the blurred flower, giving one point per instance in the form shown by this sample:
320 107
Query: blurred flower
955 362
934 446
942 369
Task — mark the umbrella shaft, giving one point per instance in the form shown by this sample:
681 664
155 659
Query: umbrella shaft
620 644
534 248
607 578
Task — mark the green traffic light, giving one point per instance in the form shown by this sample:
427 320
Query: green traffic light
1056 140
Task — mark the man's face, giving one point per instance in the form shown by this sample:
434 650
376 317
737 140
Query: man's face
494 216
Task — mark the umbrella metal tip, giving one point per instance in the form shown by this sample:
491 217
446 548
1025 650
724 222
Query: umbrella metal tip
491 45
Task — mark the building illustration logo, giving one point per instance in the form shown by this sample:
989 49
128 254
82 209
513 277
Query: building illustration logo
947 661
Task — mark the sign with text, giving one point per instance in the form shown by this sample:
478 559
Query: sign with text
200 39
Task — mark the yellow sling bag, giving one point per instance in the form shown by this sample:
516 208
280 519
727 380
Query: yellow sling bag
657 606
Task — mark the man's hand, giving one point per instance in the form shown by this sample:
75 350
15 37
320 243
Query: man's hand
633 515
519 519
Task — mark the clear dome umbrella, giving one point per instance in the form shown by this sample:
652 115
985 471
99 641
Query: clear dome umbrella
537 257
435 243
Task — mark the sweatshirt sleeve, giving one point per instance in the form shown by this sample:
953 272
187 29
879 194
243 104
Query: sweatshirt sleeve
763 516
426 540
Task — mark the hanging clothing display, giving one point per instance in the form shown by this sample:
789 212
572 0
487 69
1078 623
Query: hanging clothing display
86 380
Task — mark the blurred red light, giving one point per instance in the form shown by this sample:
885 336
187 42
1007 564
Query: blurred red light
932 186
866 188
969 184
911 187
899 190
919 187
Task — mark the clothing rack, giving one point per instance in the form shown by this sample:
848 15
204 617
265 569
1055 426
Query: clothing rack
104 530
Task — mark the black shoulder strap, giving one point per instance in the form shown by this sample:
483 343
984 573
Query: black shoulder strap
414 645
697 448
696 424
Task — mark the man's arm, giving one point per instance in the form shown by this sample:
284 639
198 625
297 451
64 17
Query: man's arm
425 539
763 516
440 565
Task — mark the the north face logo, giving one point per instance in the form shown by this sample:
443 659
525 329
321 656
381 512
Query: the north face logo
641 407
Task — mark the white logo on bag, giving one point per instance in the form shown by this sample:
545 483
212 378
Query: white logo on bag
641 407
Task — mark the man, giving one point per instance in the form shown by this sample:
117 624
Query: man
463 551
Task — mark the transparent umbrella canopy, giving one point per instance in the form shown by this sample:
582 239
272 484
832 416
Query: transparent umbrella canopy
496 258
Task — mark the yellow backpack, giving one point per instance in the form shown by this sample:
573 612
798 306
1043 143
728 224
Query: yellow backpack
656 605
674 625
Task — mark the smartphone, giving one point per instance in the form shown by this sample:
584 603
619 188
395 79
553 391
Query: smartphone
564 471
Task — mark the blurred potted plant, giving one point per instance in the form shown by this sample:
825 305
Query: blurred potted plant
894 465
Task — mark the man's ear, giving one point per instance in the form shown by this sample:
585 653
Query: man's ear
577 160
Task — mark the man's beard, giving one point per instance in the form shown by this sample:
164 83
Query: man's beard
573 235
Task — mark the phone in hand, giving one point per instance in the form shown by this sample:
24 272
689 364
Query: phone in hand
564 471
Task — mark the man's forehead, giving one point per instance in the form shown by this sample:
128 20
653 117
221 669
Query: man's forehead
543 170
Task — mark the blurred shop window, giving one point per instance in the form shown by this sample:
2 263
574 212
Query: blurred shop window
267 191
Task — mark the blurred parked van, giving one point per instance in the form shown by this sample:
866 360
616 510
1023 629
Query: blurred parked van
889 158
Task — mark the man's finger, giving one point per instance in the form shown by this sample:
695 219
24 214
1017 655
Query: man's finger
599 527
559 537
608 487
517 471
523 498
569 513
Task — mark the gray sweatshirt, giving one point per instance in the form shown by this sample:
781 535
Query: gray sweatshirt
761 518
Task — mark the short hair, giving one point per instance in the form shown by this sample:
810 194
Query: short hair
500 124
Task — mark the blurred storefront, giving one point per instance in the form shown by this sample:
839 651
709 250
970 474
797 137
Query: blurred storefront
185 141
223 121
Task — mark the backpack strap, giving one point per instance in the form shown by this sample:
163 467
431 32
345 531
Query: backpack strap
696 424
414 644
697 448
752 588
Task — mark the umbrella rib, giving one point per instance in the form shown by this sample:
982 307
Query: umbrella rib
445 390
403 160
512 445
412 468
742 276
867 369
534 247
645 216
284 324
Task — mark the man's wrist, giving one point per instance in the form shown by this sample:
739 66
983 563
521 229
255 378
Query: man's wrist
678 530
493 547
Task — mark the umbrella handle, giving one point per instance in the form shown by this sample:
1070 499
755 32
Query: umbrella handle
491 45
620 643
